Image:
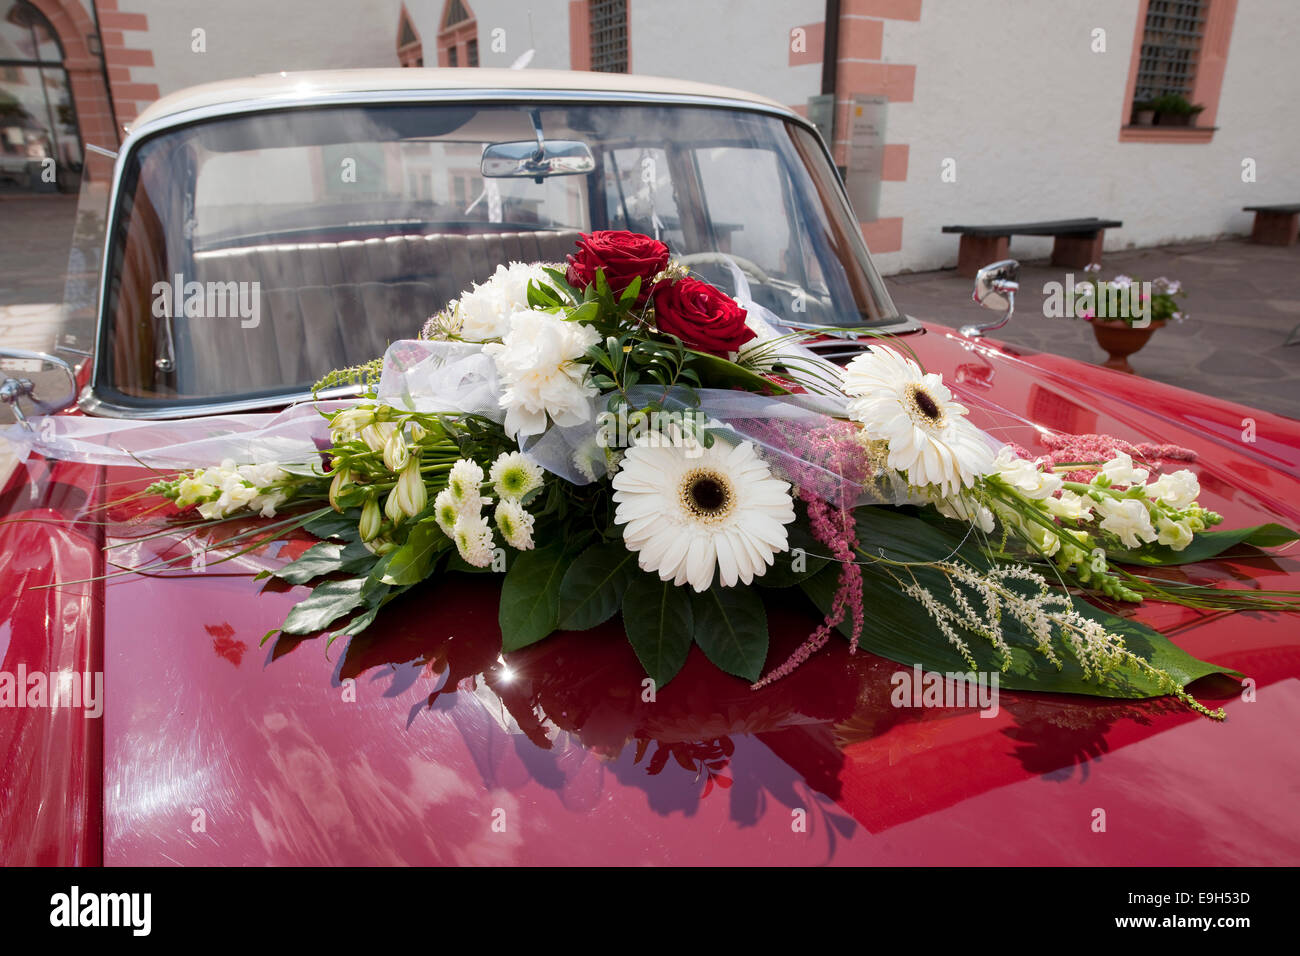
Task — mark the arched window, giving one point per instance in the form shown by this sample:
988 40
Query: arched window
38 121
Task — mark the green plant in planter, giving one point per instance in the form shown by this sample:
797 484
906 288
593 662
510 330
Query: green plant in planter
1129 300
1144 112
1174 109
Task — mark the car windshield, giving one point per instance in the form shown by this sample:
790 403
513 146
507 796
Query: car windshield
254 253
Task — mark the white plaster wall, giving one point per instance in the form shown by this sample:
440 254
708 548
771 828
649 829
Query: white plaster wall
738 43
1014 94
247 37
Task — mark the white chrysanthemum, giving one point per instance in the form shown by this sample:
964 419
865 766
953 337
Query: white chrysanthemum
1025 476
514 476
1178 489
688 510
536 363
484 312
928 434
465 482
446 509
1129 519
473 537
515 525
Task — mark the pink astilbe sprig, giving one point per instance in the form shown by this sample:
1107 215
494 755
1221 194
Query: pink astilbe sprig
828 470
1092 448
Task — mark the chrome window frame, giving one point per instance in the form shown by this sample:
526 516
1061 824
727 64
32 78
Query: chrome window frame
91 403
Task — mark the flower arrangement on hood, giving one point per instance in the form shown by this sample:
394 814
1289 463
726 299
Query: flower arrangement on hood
650 451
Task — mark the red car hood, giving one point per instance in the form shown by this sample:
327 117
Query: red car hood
417 743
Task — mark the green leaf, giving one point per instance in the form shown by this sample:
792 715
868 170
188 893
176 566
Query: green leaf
1208 544
585 313
731 629
631 292
530 597
720 373
326 604
660 626
333 525
326 558
593 586
412 562
899 629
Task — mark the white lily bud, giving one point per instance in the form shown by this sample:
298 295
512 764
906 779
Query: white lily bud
376 436
410 491
396 453
342 479
370 519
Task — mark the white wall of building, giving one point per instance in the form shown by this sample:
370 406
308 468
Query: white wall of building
246 37
1014 94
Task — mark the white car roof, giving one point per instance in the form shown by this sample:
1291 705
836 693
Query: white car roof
325 85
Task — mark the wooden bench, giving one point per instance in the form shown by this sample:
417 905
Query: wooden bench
1275 225
1078 241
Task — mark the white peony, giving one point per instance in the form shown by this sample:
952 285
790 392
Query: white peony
1129 519
536 361
484 312
1177 489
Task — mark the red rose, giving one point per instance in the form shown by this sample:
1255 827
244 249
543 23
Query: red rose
702 316
623 255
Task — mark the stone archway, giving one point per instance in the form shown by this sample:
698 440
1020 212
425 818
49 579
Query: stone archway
85 71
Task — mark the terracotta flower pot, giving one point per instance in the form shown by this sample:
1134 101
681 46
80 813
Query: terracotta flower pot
1120 340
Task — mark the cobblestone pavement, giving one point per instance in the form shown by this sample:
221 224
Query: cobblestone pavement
1242 302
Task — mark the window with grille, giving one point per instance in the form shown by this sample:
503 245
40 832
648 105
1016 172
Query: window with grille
471 53
452 56
609 36
1171 44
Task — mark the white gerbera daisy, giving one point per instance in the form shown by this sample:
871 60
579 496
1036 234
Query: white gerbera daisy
689 510
465 482
473 537
515 525
928 434
514 476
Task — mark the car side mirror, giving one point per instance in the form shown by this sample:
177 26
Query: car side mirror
996 286
14 389
529 159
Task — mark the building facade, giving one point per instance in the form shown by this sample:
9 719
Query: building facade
938 111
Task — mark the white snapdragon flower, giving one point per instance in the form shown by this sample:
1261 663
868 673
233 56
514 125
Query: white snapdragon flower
536 360
1025 476
1127 518
1120 471
1176 534
1069 506
484 312
1177 489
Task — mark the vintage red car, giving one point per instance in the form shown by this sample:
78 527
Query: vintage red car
317 217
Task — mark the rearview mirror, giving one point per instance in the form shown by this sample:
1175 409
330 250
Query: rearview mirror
526 159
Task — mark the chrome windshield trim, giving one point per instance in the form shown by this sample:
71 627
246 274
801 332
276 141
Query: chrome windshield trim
91 403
